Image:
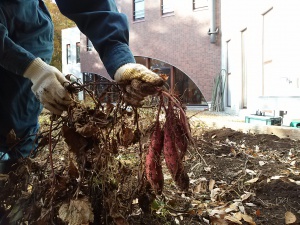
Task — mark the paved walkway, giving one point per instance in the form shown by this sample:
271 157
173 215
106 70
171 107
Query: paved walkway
219 120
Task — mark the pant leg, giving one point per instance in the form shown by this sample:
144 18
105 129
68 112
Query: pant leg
19 111
22 148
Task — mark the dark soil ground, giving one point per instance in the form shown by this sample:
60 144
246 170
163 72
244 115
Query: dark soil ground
236 178
263 165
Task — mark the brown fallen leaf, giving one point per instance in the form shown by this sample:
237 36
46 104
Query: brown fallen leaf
232 219
76 212
290 218
248 219
251 181
211 184
257 213
218 221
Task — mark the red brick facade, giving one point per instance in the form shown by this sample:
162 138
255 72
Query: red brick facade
180 39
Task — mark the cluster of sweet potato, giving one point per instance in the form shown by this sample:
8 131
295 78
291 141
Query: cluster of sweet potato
168 141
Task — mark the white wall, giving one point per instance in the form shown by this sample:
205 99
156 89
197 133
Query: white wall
71 36
282 90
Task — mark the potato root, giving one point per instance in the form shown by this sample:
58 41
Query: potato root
153 165
180 138
173 140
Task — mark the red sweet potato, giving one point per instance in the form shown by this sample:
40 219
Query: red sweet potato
170 152
182 179
153 165
172 156
181 141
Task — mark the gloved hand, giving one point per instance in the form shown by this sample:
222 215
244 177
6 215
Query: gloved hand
140 82
48 86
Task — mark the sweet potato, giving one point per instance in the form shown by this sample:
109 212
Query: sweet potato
181 141
182 179
170 152
172 156
153 165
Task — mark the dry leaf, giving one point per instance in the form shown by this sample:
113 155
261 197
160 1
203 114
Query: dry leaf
251 181
233 207
120 220
290 218
276 177
211 184
248 219
257 213
232 150
200 188
11 138
74 140
127 136
218 212
76 212
3 177
250 172
242 208
165 77
232 219
250 204
217 221
214 194
72 170
238 215
246 195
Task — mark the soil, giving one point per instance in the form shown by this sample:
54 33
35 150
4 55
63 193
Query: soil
235 178
269 164
258 172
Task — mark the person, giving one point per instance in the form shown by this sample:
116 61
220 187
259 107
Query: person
27 81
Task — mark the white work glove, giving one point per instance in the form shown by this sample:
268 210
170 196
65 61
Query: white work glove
48 86
140 82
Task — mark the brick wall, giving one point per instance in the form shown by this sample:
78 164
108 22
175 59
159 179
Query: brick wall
180 39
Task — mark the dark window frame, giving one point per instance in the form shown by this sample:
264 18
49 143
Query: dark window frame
200 4
89 45
77 52
138 14
167 9
68 53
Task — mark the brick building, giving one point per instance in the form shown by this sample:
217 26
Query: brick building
256 51
171 36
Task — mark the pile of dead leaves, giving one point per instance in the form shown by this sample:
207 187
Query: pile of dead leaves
90 167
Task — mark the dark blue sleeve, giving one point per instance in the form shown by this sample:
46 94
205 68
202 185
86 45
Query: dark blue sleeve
107 29
12 54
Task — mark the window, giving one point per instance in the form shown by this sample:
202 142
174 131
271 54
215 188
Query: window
138 10
68 51
200 4
89 45
229 76
77 52
268 45
167 7
112 92
178 83
244 67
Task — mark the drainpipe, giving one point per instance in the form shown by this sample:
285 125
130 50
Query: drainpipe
213 31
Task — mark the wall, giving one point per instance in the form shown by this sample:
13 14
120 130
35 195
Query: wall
180 40
276 89
71 36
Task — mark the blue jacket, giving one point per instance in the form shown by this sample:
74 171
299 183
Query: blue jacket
26 32
107 29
